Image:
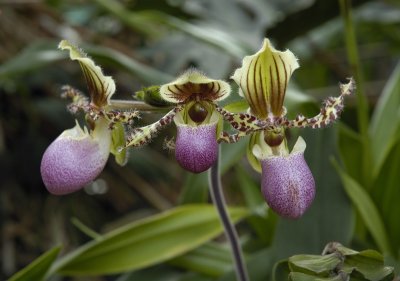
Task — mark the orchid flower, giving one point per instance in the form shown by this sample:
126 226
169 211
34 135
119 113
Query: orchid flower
287 182
194 96
78 155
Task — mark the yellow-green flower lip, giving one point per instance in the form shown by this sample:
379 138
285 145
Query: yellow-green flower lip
263 79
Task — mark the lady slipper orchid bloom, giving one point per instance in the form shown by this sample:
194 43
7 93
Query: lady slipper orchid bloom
196 118
287 183
79 155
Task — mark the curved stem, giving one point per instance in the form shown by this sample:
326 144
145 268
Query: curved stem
218 199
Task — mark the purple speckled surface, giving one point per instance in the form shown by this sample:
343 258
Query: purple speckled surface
70 164
288 185
196 147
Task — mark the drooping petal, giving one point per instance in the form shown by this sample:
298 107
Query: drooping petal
101 87
287 183
263 79
329 112
192 83
196 147
75 159
141 136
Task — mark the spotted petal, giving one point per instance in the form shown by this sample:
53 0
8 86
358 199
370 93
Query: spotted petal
101 87
194 83
263 79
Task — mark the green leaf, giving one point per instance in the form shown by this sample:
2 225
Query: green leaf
386 194
314 263
385 121
341 262
367 209
141 71
211 259
231 154
195 189
147 242
258 265
85 229
370 264
42 53
281 270
148 21
299 276
35 56
261 220
160 272
251 191
351 151
38 268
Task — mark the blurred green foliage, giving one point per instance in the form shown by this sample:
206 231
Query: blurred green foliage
142 43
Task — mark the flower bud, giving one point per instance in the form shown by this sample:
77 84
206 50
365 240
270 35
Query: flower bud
287 183
196 147
75 159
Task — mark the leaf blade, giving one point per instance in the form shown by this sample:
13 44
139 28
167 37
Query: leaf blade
38 268
367 209
385 121
147 242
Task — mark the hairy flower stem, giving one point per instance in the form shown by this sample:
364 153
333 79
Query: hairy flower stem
218 199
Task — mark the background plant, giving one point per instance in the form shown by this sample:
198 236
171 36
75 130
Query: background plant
149 42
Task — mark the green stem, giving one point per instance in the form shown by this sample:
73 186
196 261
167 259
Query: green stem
362 102
218 199
136 105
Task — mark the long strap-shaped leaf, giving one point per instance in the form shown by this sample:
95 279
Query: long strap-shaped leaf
146 242
367 209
